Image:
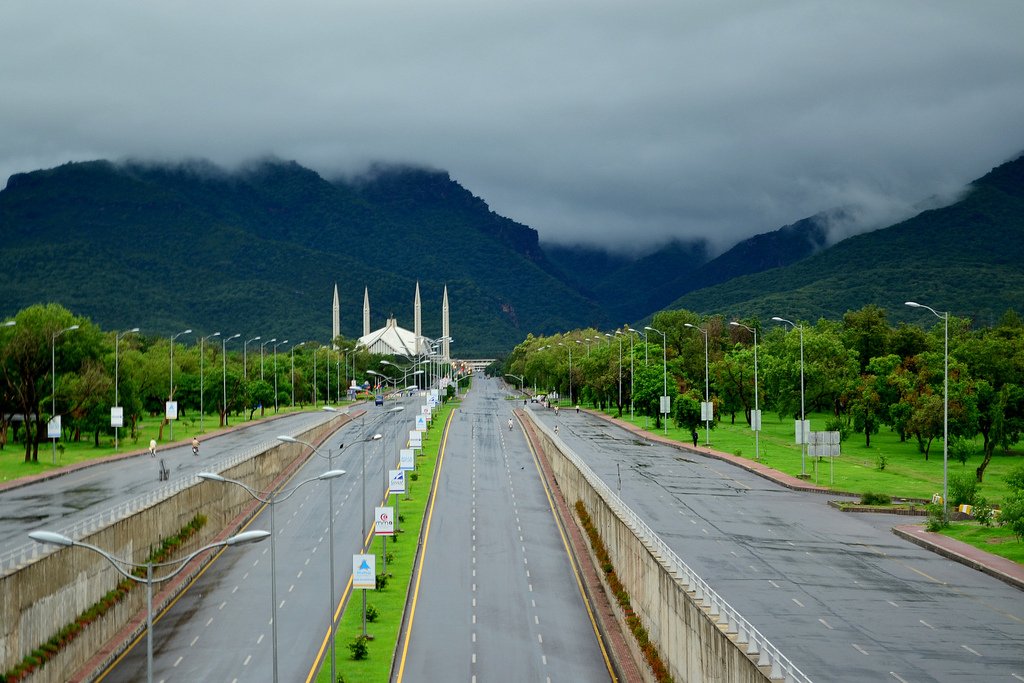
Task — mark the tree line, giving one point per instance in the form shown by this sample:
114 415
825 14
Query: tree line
862 371
53 362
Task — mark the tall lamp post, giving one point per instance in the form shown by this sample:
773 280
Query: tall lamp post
53 380
945 403
245 356
330 526
263 346
117 398
295 346
373 437
224 372
755 420
122 567
170 395
664 365
521 381
271 498
202 355
707 384
618 336
803 418
275 371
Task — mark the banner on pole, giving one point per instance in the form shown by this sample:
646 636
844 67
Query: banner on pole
384 521
364 571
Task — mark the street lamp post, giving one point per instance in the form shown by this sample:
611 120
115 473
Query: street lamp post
271 498
170 394
396 409
275 371
618 337
293 371
52 538
570 370
755 421
245 356
664 365
53 380
263 346
803 419
707 385
374 437
202 341
945 403
330 526
521 381
224 372
117 398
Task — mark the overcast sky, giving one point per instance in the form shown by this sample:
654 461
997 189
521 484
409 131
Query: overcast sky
620 123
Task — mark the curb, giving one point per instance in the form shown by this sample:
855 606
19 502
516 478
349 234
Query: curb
997 567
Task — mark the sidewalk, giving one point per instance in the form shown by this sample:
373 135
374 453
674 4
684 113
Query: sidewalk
1005 570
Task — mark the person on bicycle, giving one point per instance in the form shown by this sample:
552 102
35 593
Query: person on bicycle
510 423
195 445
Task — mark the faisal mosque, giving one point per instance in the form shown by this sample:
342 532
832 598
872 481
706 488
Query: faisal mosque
392 340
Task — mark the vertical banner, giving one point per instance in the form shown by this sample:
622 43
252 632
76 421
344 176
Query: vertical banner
802 435
171 410
755 420
364 571
421 423
384 521
707 411
407 459
53 428
396 481
415 439
117 416
666 405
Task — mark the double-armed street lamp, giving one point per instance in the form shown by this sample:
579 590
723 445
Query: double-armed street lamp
224 372
170 395
275 371
123 566
53 380
755 420
945 403
271 498
202 355
664 362
117 369
803 419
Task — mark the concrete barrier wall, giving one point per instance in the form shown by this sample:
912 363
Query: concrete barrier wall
694 646
40 598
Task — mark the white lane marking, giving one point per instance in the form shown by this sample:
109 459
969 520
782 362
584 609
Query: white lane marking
209 621
773 583
798 602
234 590
474 636
540 639
245 662
1017 677
221 606
245 576
826 624
892 603
859 649
290 589
193 641
897 677
177 661
927 624
971 650
260 639
536 620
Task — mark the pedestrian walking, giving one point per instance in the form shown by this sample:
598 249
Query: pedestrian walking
152 448
693 435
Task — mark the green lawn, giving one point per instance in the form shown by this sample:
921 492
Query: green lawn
389 602
12 456
996 540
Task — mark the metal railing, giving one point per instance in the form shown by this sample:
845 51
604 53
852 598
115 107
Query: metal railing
717 608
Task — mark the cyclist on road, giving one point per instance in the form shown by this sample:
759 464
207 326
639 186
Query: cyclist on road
195 445
510 424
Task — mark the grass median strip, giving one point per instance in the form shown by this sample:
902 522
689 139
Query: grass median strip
387 604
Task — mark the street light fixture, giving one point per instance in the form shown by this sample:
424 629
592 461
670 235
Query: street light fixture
202 341
170 395
52 538
330 524
945 403
224 372
117 371
707 385
53 380
664 361
275 371
263 346
803 418
755 420
245 356
271 498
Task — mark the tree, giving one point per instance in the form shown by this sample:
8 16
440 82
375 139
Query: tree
867 333
866 407
687 411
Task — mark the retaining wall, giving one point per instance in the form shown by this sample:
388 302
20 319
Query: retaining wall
41 597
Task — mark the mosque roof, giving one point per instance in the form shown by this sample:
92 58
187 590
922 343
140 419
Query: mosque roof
393 340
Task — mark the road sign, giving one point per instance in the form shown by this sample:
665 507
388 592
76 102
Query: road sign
117 416
171 410
421 423
707 411
384 524
396 481
666 405
407 459
53 428
415 439
364 571
755 420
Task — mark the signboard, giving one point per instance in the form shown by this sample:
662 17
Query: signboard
427 412
407 459
755 420
806 431
396 481
666 405
421 423
824 445
171 410
384 521
53 428
415 439
117 416
364 571
707 411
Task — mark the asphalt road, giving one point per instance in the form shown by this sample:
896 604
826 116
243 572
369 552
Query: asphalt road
220 629
498 599
839 594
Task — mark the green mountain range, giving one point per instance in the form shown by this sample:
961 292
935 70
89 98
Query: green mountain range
259 250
